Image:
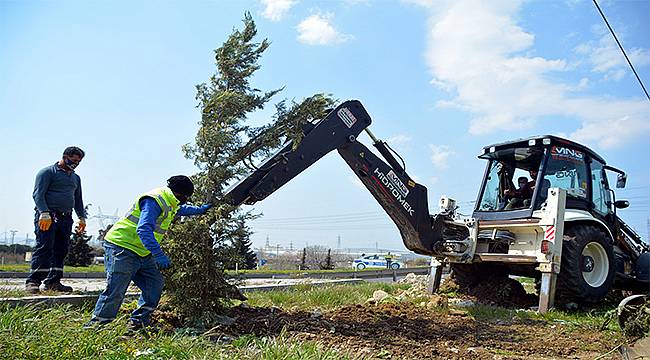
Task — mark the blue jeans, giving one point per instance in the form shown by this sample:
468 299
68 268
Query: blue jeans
51 249
122 266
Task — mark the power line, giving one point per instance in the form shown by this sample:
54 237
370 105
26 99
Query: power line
622 50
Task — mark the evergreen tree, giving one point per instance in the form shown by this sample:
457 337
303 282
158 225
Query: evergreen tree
79 252
241 242
303 259
224 147
328 265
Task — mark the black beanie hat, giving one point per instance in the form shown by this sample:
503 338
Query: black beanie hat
181 184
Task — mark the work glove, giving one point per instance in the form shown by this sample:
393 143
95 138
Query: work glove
162 260
81 226
44 221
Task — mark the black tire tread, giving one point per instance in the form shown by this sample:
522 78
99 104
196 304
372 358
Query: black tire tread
571 286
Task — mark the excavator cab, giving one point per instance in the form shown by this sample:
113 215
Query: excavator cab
544 162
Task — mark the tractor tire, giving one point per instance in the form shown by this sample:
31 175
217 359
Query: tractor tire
587 270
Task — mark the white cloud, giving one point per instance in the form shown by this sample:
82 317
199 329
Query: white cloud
400 142
606 57
318 30
440 155
478 52
276 9
399 139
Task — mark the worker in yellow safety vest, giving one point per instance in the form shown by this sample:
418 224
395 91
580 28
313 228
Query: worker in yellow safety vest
133 253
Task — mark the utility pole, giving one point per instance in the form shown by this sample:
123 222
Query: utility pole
291 245
338 242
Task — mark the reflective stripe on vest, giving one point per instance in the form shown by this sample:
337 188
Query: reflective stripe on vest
166 209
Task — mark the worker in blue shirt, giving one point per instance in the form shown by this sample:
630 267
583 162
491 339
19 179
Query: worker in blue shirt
133 251
57 191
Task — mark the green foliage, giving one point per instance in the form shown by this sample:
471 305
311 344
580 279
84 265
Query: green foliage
79 252
239 255
328 265
15 248
224 149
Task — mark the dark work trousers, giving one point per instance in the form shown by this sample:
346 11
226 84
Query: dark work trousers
51 249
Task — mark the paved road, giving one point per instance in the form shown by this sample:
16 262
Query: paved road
89 285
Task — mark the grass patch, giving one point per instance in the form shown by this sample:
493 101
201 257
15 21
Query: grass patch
26 268
57 333
603 319
11 293
324 297
282 348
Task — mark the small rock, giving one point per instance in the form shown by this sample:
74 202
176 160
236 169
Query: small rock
572 306
224 320
317 313
366 350
439 301
244 305
454 350
379 295
471 349
465 303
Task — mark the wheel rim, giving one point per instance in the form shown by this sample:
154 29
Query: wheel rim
594 264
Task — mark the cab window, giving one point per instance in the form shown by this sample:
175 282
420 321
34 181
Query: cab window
599 195
565 169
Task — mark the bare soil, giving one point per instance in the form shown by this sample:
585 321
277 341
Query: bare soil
407 331
502 292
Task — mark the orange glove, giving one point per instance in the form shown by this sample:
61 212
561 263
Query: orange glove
81 226
44 221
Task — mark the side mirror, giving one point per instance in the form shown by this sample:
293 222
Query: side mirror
621 204
621 179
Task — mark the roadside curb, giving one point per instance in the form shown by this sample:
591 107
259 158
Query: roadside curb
364 274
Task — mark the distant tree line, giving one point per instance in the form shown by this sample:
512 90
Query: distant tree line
15 248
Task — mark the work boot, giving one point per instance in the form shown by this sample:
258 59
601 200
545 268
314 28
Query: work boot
32 288
58 287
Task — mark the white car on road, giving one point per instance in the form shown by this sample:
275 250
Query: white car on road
376 262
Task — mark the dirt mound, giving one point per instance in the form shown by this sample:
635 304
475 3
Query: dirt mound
506 292
408 331
503 292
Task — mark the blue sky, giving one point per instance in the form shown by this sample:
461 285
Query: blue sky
440 79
